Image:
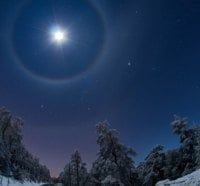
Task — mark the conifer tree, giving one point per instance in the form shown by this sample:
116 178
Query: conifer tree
114 164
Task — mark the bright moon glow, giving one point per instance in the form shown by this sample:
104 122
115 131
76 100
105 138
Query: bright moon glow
59 36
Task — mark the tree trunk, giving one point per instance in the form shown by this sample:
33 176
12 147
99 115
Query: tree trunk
77 172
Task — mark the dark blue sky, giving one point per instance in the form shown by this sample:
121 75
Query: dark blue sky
134 63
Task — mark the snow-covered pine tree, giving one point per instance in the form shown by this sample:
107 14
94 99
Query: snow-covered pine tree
197 147
65 177
114 164
179 127
5 123
15 160
78 169
14 142
151 169
75 172
187 139
173 164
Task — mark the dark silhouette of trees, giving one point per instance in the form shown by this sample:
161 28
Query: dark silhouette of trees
75 172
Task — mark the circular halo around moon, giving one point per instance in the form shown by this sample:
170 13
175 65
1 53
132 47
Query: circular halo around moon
70 52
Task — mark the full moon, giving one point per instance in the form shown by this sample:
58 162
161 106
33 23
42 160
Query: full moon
59 36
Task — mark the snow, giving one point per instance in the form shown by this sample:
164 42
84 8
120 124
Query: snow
192 179
17 183
110 180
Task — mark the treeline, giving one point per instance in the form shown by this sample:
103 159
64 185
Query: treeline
15 160
114 165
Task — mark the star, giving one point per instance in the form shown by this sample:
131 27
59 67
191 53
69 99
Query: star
129 63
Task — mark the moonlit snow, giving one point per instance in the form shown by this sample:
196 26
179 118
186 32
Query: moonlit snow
192 179
17 183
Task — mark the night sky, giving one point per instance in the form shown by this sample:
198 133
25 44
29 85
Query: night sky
135 63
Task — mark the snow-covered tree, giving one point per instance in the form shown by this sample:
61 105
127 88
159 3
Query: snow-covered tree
78 169
179 126
75 172
15 160
197 147
173 164
114 164
65 177
188 142
151 169
5 124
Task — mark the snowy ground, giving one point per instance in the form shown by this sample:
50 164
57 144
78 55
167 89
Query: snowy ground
192 179
16 183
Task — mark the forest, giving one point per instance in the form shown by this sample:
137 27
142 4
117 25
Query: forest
114 164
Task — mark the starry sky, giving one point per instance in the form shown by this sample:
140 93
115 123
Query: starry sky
134 63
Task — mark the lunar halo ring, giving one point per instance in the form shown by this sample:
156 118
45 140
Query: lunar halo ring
19 63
